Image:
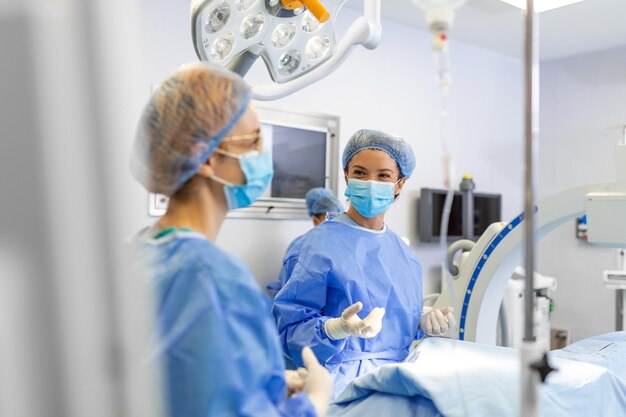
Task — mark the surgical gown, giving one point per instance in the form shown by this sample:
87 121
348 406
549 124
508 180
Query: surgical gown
214 336
333 266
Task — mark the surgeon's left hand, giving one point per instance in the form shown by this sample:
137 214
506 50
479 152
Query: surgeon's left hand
295 380
437 322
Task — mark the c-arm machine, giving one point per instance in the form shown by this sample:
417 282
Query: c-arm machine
476 292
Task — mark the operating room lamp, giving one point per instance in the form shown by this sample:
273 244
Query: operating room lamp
295 38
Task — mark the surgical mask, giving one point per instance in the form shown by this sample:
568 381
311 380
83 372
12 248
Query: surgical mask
370 198
258 169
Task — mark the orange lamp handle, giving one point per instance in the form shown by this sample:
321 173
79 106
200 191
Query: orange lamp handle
316 8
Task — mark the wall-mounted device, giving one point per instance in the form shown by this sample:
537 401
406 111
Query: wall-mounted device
487 210
305 152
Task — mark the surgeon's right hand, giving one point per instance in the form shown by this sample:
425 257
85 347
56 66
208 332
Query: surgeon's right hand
349 324
319 384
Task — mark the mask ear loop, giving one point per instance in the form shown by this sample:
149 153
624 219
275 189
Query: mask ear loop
221 181
396 183
228 154
218 179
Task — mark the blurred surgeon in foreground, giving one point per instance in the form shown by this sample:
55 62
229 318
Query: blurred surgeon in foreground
199 142
353 288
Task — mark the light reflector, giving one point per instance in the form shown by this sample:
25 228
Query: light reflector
222 46
218 18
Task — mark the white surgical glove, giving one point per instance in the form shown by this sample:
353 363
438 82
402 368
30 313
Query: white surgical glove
318 385
295 380
437 322
349 324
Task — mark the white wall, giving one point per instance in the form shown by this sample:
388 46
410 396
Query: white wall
583 111
392 89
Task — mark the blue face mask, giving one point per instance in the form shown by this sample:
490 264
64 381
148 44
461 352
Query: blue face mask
258 169
370 198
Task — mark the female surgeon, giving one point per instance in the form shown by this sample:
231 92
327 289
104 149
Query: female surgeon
354 266
199 143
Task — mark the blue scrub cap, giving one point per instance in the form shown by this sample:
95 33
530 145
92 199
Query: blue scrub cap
185 120
321 200
395 146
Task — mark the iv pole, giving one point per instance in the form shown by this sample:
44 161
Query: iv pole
534 362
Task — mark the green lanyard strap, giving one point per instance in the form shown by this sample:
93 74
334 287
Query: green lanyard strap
169 231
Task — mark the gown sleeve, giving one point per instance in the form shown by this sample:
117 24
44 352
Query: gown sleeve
298 314
221 359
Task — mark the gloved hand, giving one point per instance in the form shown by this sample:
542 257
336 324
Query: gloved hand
295 380
318 385
437 322
349 324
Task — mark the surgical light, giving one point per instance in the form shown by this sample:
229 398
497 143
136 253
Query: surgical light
222 46
252 24
284 34
244 5
542 5
309 22
294 38
317 48
289 62
218 18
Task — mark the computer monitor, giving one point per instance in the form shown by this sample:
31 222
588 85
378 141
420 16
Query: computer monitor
487 210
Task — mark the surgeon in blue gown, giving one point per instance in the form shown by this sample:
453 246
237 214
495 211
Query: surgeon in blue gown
320 202
199 143
353 288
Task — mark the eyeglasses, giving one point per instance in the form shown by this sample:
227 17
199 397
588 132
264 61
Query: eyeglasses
258 135
255 140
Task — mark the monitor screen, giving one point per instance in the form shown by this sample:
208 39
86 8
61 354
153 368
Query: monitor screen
487 209
299 157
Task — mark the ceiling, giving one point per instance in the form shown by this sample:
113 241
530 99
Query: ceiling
580 28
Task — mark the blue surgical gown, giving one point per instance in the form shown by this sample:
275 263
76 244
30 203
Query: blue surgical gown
333 266
214 335
274 286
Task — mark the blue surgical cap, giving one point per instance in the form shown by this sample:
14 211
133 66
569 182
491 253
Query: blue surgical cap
185 120
395 146
321 200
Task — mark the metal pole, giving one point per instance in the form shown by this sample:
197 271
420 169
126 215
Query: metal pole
531 133
529 398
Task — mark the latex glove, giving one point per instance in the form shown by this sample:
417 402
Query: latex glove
295 380
318 385
437 322
349 324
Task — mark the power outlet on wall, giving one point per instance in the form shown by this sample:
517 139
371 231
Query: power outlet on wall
157 205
